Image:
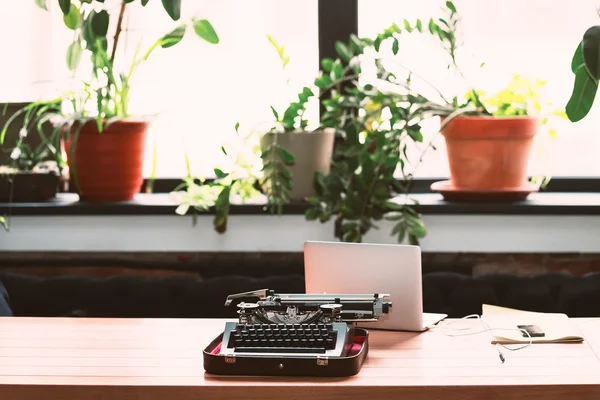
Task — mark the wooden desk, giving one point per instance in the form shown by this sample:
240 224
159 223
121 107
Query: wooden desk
82 359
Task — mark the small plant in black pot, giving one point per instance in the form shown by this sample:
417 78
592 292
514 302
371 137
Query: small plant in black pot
28 172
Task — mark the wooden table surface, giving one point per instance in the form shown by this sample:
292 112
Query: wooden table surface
62 358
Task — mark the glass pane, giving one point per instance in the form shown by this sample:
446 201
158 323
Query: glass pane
201 90
26 48
533 38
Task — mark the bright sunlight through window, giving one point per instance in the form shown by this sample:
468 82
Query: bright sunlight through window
197 92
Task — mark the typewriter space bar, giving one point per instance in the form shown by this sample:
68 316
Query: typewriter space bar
305 350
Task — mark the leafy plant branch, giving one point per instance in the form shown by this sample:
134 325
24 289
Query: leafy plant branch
277 177
237 183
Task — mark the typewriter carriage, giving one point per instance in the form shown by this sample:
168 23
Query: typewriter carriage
274 308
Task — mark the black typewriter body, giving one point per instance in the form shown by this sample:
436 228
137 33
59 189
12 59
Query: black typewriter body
295 334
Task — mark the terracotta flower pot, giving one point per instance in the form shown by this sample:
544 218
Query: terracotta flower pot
109 165
489 153
312 151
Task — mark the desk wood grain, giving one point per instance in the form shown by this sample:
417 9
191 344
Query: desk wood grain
123 359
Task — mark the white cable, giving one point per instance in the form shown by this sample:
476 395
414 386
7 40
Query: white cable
486 328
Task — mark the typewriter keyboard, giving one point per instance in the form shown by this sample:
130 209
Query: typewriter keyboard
318 339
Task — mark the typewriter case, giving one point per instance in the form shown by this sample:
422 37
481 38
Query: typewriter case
276 365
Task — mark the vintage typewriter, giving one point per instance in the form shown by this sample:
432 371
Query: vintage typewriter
280 330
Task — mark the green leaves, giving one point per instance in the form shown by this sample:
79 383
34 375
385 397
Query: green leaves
287 157
432 26
293 116
173 37
373 129
100 22
356 44
408 223
220 174
73 55
323 81
327 64
583 95
343 51
42 4
577 60
311 214
591 51
337 70
451 6
222 205
65 6
280 50
205 30
277 178
586 81
173 8
93 32
71 19
395 46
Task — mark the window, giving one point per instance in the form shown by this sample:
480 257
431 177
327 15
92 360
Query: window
28 73
535 38
200 91
196 92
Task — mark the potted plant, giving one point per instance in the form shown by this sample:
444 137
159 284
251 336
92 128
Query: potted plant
377 118
489 148
291 153
103 142
28 174
489 151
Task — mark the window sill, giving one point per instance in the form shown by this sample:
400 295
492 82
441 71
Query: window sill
546 223
429 203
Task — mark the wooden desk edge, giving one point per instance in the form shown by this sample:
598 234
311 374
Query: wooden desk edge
314 392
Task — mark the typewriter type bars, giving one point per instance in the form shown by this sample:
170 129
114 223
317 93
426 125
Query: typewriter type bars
299 324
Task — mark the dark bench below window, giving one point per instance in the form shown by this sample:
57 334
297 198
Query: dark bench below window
183 297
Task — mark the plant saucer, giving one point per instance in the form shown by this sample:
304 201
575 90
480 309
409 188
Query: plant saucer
500 195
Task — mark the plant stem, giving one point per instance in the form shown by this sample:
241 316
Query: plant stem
418 76
118 32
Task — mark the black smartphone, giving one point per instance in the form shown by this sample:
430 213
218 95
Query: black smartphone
533 330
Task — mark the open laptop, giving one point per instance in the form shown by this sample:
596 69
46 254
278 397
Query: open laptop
336 267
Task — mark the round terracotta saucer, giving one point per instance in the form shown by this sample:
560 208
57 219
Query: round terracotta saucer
451 193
